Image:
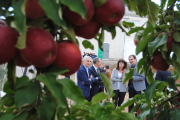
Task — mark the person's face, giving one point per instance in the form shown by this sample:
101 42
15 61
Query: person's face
132 60
121 65
87 62
99 63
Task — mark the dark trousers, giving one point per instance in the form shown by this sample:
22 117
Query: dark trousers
88 98
119 97
132 93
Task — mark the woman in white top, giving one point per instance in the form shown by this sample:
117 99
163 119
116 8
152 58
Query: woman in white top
116 78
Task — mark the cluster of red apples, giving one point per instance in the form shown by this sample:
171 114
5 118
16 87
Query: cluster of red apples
41 50
157 60
109 13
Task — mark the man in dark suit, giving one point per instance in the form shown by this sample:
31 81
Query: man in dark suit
162 75
137 83
84 77
96 80
102 70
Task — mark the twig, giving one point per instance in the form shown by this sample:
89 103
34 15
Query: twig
169 99
68 110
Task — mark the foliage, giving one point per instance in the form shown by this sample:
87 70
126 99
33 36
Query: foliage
45 97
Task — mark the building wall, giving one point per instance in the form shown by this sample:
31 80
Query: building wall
116 49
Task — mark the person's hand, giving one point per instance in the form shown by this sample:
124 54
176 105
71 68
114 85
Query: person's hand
82 82
90 79
91 76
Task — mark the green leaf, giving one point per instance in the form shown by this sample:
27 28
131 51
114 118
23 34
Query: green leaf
142 8
176 64
143 114
175 114
176 36
149 76
176 49
128 75
77 6
153 11
140 64
58 71
88 44
56 89
21 43
128 102
70 31
22 116
19 9
152 114
46 108
21 82
28 94
162 85
122 116
152 46
136 29
11 74
171 81
99 3
142 43
150 89
128 24
132 4
111 29
9 100
148 29
99 97
70 117
107 84
163 3
135 108
53 11
6 116
72 91
101 40
7 88
177 20
80 110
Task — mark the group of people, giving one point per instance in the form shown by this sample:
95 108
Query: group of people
91 83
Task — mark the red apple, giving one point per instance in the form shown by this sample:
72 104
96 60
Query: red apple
3 23
8 40
135 42
89 30
111 12
170 41
40 49
75 18
33 9
158 62
68 56
138 111
20 61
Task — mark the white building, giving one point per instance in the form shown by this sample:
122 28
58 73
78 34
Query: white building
122 45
